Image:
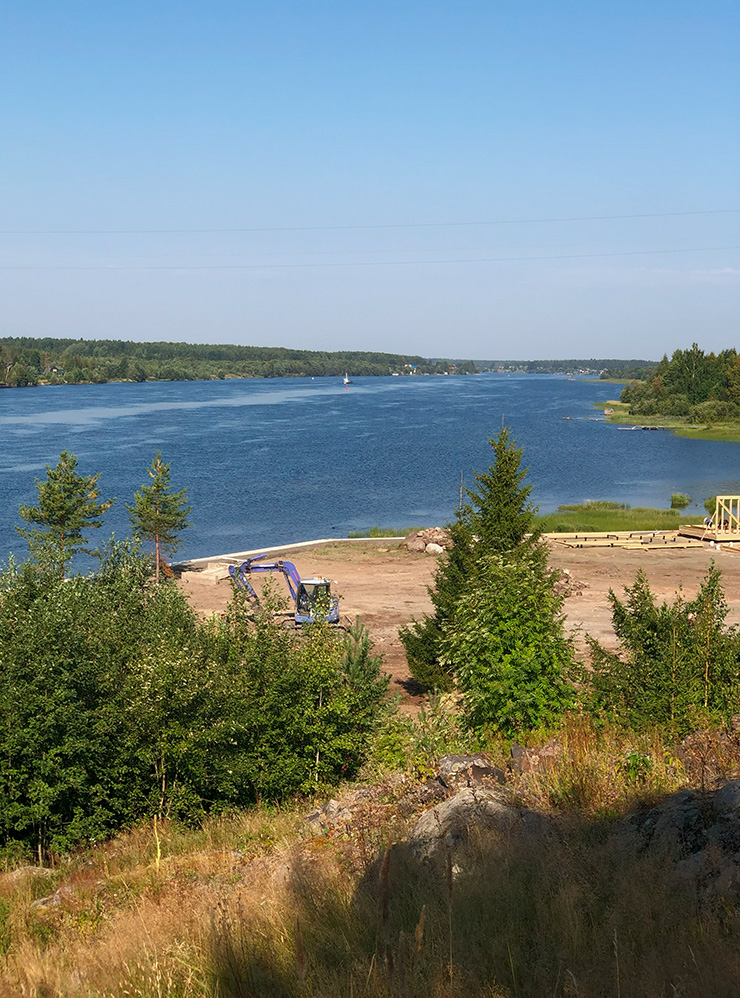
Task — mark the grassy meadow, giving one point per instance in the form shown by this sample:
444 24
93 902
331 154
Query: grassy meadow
259 905
728 433
593 517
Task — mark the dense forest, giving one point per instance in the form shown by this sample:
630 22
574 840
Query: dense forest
25 361
701 387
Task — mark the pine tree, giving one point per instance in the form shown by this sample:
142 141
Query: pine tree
158 514
498 518
67 505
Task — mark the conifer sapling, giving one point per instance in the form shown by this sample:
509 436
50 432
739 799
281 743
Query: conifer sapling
158 514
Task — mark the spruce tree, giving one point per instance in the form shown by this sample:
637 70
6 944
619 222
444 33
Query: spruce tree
158 514
68 504
497 518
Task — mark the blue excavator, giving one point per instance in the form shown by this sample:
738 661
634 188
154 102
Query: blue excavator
312 597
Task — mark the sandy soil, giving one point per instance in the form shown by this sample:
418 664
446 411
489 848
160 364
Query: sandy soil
386 587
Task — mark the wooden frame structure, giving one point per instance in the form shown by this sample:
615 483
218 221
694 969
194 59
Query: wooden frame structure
723 525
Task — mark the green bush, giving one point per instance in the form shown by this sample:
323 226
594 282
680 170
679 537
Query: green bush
713 411
679 500
508 650
677 662
118 703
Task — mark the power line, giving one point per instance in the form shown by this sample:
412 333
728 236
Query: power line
370 263
345 228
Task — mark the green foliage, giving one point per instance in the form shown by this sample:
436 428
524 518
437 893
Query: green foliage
610 517
158 514
383 532
68 507
415 744
421 641
497 518
679 500
507 648
676 661
502 515
710 505
118 703
27 360
701 387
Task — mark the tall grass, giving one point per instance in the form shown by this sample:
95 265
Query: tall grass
602 516
255 904
576 913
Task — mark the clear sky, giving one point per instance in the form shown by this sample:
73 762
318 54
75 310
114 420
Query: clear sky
422 177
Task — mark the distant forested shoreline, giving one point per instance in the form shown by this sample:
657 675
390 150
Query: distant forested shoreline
26 361
29 361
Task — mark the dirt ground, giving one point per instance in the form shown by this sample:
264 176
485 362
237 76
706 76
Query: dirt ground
386 587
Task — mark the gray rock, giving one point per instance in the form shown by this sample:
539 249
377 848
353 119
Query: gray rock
25 873
329 814
434 549
457 771
414 542
726 800
55 899
448 825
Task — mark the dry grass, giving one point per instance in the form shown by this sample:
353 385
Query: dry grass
254 906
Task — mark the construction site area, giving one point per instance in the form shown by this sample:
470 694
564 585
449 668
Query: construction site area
386 586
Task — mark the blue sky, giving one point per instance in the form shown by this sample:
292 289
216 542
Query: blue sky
337 138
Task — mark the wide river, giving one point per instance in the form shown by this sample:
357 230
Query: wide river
273 461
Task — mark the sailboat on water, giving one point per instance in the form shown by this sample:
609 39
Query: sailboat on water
346 380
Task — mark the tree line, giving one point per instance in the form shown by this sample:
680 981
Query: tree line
697 386
26 361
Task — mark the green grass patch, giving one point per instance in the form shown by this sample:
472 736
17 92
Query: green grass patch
383 532
611 516
725 434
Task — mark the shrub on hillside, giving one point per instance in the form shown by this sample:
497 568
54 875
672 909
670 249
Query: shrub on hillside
118 703
508 650
497 518
676 663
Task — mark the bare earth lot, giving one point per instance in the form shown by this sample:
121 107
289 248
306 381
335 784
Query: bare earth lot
386 587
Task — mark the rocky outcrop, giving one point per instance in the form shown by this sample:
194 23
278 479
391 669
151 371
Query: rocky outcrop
458 771
433 540
449 825
698 831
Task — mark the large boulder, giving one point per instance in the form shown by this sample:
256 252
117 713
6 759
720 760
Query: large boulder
414 542
421 540
448 826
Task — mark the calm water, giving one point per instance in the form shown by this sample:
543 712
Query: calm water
273 461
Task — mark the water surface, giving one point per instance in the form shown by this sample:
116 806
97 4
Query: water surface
288 459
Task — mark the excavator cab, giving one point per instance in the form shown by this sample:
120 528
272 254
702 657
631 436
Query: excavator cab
315 602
